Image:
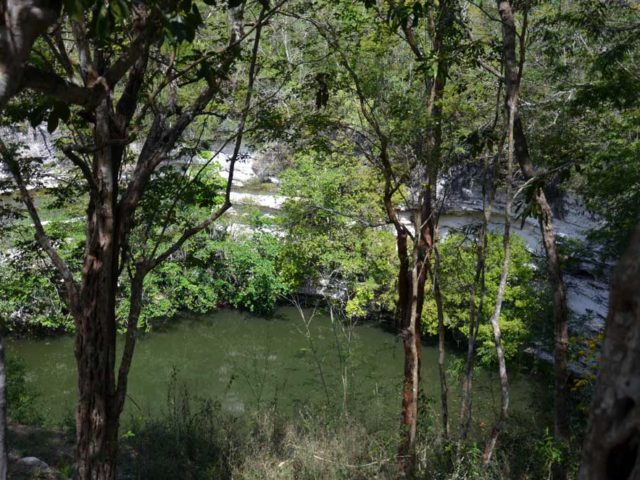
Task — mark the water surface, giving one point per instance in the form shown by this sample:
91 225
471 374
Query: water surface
244 362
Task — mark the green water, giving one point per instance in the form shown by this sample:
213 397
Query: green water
245 362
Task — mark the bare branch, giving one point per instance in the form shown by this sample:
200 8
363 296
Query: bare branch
234 157
57 87
135 308
84 168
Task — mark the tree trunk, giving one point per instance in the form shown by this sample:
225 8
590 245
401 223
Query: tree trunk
511 102
411 298
502 373
3 406
411 340
512 81
562 400
442 371
562 393
97 415
612 443
466 402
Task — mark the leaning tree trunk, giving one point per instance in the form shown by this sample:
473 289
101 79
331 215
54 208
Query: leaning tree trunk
513 74
562 392
612 444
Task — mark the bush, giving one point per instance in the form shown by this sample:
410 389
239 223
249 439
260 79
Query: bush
524 301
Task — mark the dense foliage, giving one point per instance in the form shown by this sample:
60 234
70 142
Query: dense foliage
375 117
335 233
525 303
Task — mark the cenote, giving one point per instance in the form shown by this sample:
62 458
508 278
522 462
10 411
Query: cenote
246 362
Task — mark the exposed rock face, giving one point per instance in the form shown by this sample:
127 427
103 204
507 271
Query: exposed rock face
587 280
37 145
460 192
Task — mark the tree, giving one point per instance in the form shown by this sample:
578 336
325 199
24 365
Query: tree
511 108
21 23
442 34
396 92
3 405
611 444
153 88
512 44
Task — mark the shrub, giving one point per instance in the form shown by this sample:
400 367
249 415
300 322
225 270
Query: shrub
524 299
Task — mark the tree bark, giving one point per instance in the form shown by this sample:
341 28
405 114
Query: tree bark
612 444
411 280
21 23
3 405
95 345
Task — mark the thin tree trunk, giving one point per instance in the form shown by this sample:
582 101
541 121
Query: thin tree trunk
512 99
411 341
442 371
475 314
411 297
3 406
562 392
562 399
495 325
612 443
466 402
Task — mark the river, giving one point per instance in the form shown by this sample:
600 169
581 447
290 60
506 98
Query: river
244 362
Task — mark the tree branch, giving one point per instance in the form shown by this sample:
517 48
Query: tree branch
43 240
51 84
161 140
234 157
84 168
